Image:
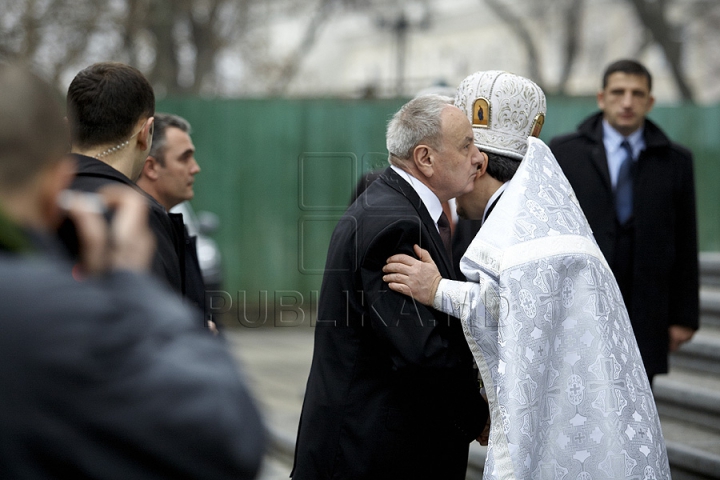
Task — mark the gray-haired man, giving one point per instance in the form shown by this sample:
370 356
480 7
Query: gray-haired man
168 176
392 392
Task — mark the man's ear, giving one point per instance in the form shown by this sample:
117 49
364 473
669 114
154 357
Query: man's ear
150 168
651 103
601 99
483 165
144 138
423 157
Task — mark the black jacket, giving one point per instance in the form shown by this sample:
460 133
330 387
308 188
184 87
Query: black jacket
169 259
112 377
194 286
392 391
665 259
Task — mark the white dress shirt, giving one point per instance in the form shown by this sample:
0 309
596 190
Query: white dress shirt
429 199
612 139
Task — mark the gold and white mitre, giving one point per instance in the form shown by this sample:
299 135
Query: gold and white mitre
504 109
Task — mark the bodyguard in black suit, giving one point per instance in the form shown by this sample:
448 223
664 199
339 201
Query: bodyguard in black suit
111 110
652 252
392 391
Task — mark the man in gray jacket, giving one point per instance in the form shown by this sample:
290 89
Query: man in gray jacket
104 375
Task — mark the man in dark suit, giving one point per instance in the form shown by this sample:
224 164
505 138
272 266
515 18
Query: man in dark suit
168 176
110 108
392 391
642 211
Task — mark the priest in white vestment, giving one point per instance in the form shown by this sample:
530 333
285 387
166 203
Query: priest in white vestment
541 310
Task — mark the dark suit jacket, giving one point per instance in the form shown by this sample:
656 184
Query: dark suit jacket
392 391
169 259
665 266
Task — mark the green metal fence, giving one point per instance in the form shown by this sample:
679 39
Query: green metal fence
280 172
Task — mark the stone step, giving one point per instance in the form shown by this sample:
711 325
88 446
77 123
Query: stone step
690 461
701 354
709 306
709 268
693 452
689 396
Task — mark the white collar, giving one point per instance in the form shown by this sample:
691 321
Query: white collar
429 199
613 139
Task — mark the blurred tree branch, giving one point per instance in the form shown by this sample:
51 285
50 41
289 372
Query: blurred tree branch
571 21
292 64
516 25
185 46
654 17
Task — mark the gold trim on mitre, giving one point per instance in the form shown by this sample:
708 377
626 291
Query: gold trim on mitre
481 113
537 125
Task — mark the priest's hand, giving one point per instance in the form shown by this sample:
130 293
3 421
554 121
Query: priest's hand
416 278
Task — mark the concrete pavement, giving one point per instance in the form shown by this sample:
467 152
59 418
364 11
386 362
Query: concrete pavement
276 361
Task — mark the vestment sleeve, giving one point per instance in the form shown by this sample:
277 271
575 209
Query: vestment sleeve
459 299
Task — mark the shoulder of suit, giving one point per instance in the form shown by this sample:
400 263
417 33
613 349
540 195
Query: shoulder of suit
681 151
586 133
564 139
658 138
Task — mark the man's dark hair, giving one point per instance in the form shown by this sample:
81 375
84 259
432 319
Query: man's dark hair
631 67
105 101
163 121
500 167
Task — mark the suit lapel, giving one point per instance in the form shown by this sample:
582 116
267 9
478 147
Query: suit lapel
599 156
599 161
397 183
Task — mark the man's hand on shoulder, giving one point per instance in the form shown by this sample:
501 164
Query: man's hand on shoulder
418 279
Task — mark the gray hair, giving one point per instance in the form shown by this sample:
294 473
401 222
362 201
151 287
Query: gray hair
417 121
163 121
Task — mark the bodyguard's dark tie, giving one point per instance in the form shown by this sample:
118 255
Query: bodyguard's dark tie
624 187
445 233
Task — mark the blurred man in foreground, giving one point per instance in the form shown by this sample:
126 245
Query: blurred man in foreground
108 376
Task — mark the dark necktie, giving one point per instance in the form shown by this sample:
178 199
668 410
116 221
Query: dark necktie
624 187
445 233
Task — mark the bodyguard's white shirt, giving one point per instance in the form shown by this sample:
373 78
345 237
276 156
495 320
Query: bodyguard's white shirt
429 199
612 139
